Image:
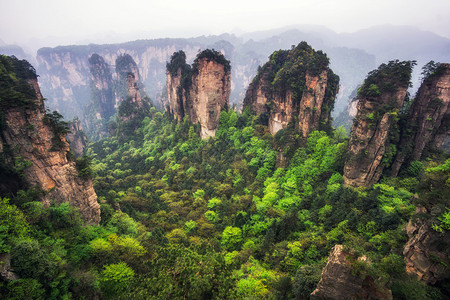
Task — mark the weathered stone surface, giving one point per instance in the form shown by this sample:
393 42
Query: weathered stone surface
210 94
339 281
175 99
427 251
76 137
309 101
206 96
31 139
6 273
428 119
370 137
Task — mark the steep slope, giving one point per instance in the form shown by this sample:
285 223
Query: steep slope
341 280
374 133
102 97
428 121
294 86
33 143
76 137
201 92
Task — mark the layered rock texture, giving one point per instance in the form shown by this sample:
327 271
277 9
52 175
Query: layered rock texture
33 144
295 86
427 251
340 280
375 132
428 120
76 137
102 97
200 92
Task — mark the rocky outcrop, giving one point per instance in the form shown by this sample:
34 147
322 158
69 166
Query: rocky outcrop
76 137
102 86
427 251
201 92
294 85
34 140
340 280
6 272
428 118
65 70
176 95
371 145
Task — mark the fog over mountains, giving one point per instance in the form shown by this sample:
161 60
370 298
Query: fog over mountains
352 56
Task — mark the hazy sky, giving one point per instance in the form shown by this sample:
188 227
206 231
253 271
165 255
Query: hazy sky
37 22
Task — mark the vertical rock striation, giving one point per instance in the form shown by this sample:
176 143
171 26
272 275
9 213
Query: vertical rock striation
374 133
200 92
427 251
34 141
102 103
294 86
339 280
428 121
76 137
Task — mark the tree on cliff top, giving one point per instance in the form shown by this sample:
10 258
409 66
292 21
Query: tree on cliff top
212 54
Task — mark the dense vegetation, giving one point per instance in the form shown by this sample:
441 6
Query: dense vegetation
243 215
287 69
14 89
214 55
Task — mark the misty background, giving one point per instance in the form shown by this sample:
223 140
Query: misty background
357 35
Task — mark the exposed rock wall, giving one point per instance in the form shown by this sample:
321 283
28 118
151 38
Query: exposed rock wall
304 91
175 99
76 137
370 146
210 94
340 281
102 87
65 72
133 90
201 92
27 135
428 119
427 251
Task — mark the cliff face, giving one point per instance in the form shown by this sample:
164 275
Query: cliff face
102 86
175 95
371 146
426 252
102 97
428 118
295 84
201 92
65 71
210 94
76 137
31 138
340 281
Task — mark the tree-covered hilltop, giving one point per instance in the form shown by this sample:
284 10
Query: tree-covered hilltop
243 215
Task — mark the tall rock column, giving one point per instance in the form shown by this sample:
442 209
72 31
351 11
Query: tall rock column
210 93
371 147
200 91
294 84
428 119
35 141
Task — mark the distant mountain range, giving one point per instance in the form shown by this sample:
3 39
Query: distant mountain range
65 77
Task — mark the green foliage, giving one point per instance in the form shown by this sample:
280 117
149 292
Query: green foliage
114 279
84 167
59 127
231 238
25 289
15 91
211 54
13 225
386 79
